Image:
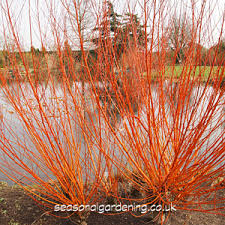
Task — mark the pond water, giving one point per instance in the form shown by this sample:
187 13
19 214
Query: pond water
60 113
54 101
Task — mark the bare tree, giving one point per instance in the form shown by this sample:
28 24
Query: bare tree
179 37
78 21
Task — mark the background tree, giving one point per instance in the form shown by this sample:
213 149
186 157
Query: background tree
67 58
218 50
119 31
179 37
77 27
34 50
133 29
109 26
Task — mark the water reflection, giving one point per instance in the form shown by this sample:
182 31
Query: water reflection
59 103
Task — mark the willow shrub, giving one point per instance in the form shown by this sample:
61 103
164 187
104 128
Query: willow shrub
118 122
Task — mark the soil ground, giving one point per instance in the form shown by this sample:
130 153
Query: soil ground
16 208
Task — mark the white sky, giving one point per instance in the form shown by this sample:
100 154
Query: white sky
20 13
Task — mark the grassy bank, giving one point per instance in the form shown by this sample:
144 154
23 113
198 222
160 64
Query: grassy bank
176 71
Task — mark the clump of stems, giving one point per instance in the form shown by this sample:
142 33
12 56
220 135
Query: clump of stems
123 109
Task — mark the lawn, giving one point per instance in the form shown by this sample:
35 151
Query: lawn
177 70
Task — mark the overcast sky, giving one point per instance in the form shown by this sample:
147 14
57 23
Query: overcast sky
20 14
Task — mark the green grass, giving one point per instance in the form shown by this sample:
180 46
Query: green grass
178 70
203 71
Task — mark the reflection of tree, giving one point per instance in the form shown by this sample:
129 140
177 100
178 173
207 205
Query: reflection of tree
116 100
173 94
